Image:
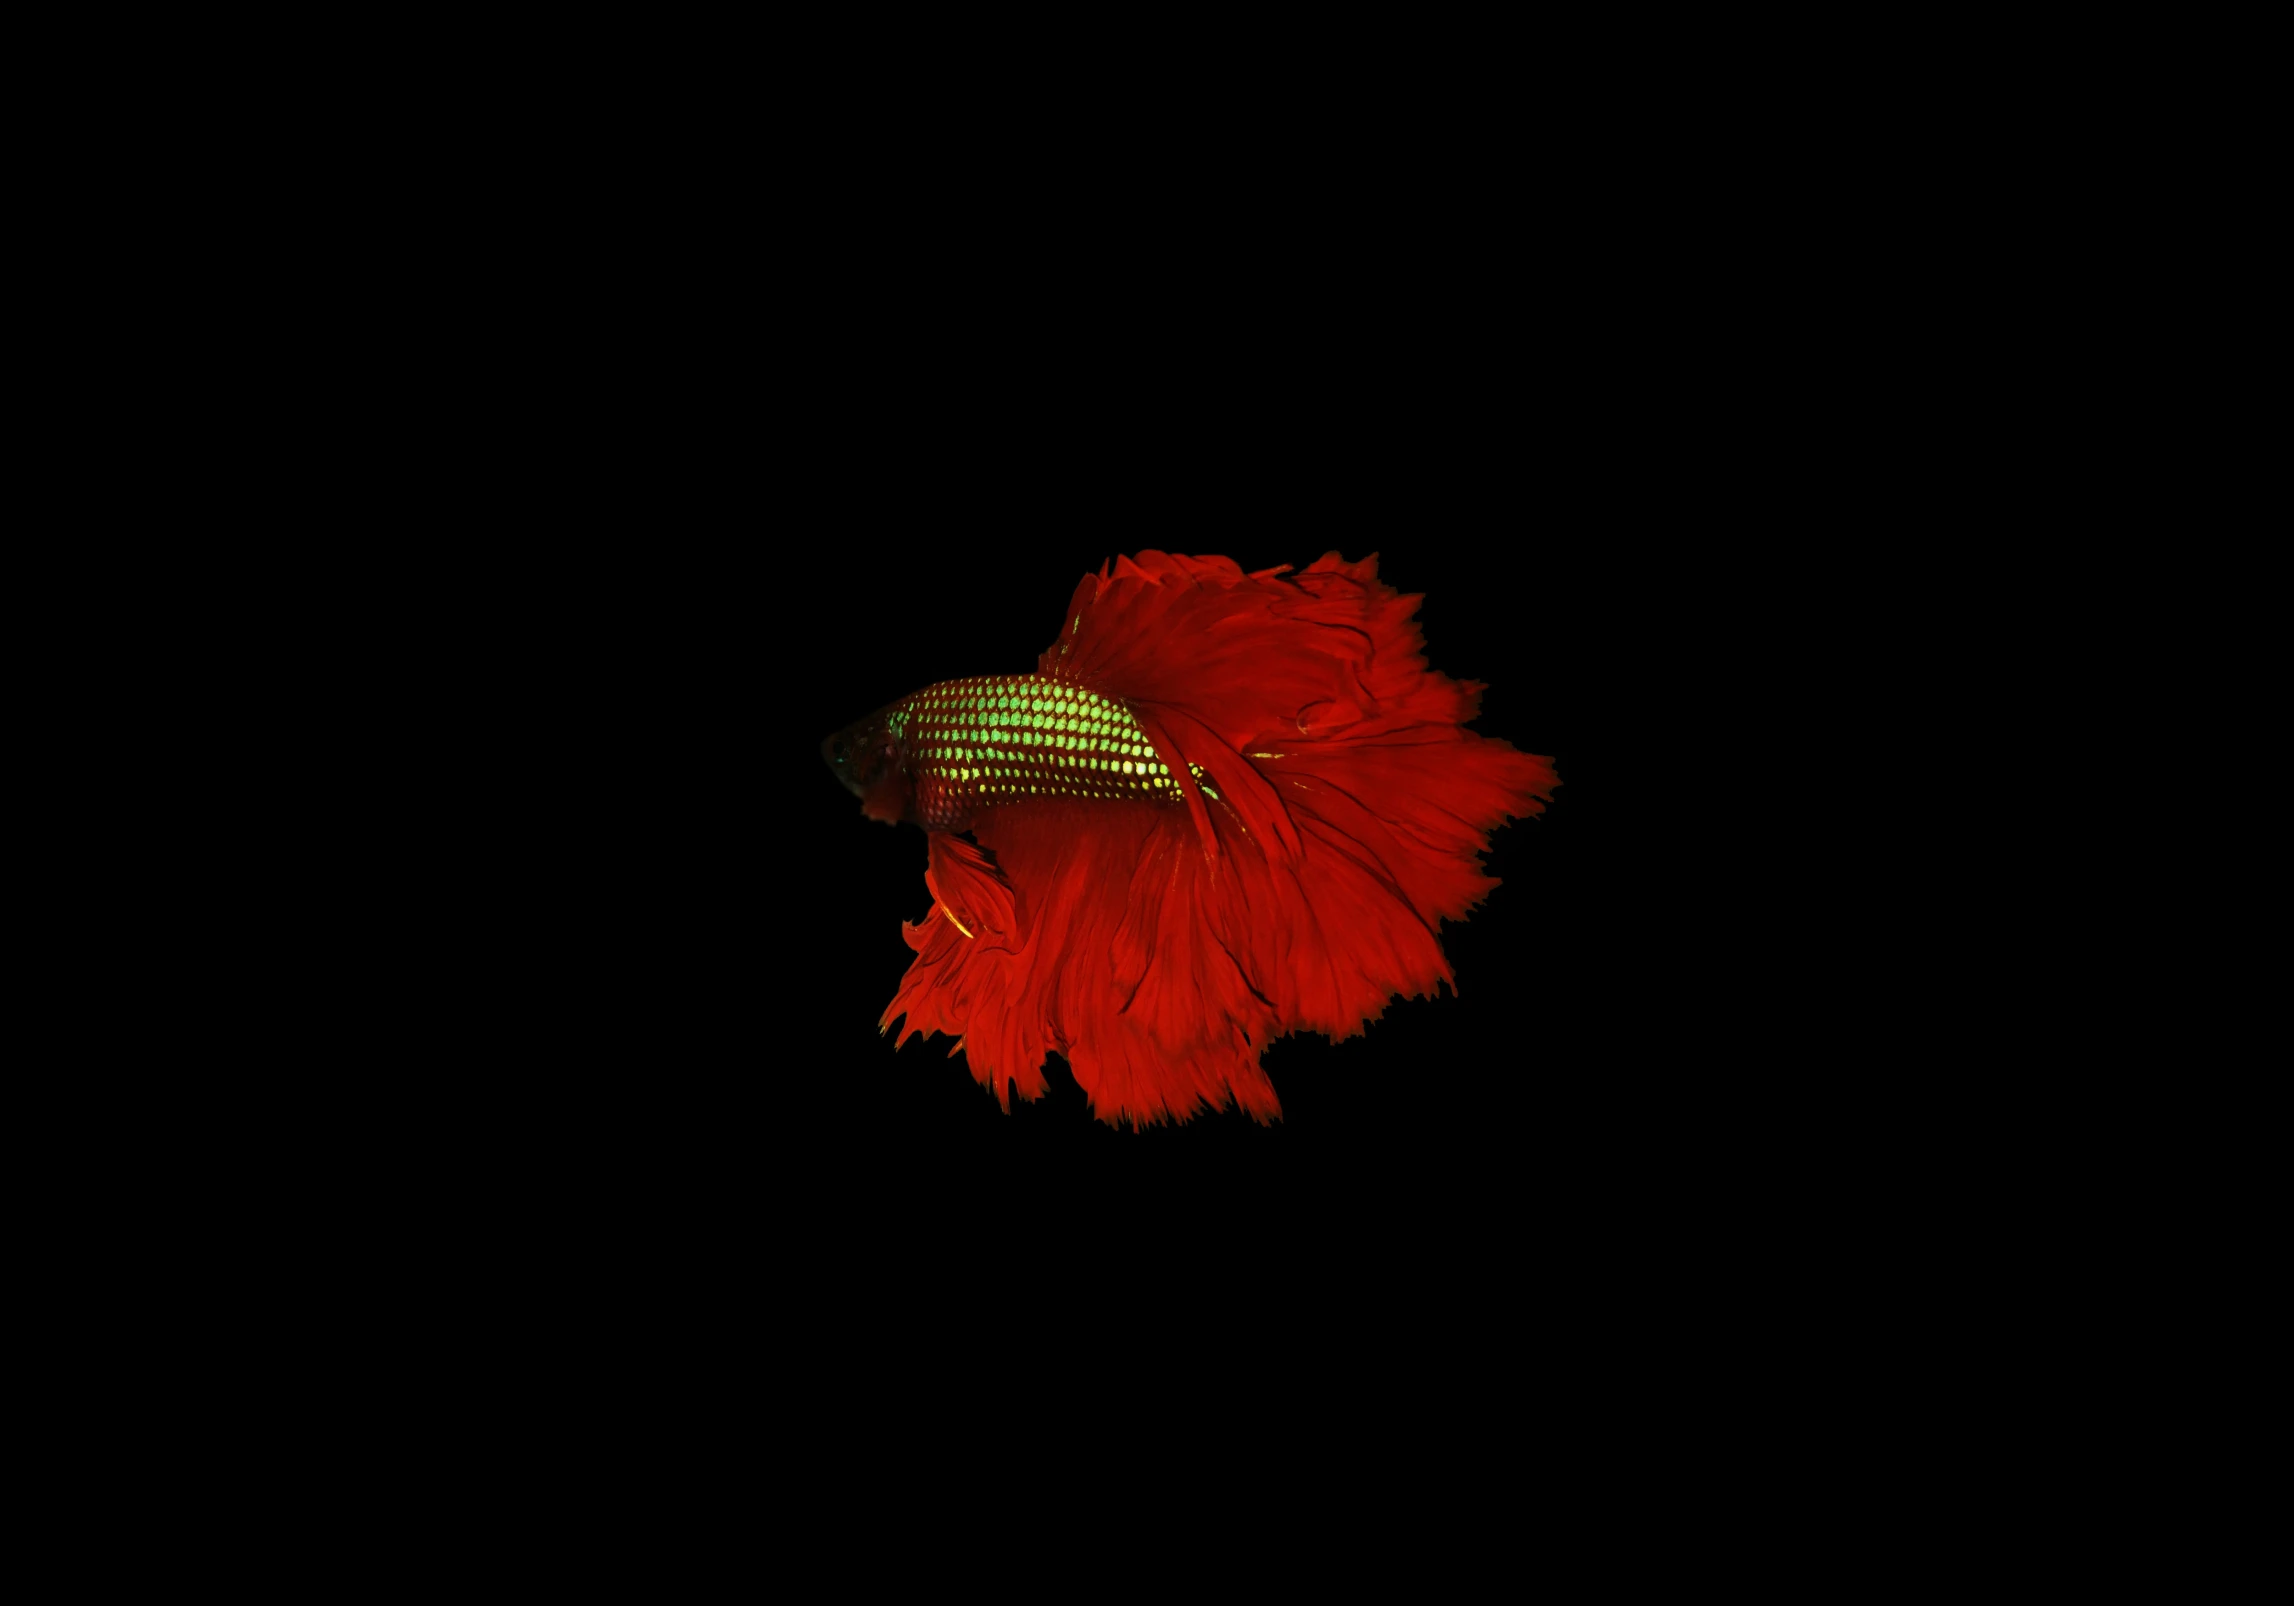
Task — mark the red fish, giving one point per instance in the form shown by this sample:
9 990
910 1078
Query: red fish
1224 807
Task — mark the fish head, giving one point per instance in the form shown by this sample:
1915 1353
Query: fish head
867 758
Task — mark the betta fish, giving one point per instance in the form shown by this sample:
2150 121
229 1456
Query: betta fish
1223 808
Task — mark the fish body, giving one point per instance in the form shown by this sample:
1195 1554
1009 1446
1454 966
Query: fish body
1223 807
963 747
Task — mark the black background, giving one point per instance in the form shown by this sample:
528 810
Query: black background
670 467
773 496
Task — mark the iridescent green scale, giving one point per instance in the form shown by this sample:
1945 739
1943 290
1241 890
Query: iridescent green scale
974 744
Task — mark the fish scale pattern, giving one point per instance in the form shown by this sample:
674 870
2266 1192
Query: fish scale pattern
970 745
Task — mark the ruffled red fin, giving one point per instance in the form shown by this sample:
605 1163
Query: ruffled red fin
1347 658
1174 760
1253 802
976 900
949 988
1341 817
1113 965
